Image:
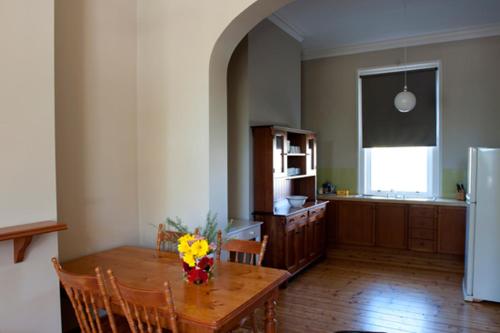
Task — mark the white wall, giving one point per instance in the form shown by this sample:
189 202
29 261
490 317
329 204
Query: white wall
184 48
29 291
263 89
96 124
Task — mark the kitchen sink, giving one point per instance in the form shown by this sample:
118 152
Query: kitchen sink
382 197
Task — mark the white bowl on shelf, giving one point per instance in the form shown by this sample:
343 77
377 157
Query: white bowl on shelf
296 201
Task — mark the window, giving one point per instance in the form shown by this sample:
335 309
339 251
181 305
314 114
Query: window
405 171
398 152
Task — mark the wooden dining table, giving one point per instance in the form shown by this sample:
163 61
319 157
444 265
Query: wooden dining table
234 292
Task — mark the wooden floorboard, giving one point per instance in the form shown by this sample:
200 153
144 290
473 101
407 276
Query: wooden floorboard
382 291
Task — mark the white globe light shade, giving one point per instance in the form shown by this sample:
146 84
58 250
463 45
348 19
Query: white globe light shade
405 101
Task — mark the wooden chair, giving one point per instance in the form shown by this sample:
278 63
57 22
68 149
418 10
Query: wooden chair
146 309
167 240
89 298
245 252
242 251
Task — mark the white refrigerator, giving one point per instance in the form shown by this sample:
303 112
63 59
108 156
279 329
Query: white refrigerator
482 248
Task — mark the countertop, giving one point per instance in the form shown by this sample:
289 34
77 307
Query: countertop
286 210
413 201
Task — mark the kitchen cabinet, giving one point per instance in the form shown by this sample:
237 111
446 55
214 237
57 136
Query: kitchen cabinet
391 226
422 228
355 223
451 230
415 227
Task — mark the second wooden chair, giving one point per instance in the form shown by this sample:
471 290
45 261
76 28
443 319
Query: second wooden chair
146 309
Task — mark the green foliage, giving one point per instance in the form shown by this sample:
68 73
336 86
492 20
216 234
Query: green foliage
177 225
209 231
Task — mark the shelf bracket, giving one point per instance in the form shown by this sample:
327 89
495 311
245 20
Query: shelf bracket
20 246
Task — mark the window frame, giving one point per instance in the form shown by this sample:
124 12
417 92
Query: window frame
434 157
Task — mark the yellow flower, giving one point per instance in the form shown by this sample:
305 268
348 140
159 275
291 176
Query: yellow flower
199 248
183 246
184 243
186 238
189 259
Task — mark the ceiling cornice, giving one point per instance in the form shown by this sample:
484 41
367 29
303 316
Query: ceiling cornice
438 37
286 27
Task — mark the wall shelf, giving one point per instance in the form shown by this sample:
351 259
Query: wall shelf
22 235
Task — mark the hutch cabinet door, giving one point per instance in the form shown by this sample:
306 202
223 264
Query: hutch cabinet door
317 231
291 260
301 245
279 154
355 223
311 154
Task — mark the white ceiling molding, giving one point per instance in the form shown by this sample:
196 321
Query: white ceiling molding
437 37
286 27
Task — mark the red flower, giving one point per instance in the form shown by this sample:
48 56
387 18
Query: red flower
205 263
197 276
186 267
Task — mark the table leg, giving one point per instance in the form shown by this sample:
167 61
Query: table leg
270 315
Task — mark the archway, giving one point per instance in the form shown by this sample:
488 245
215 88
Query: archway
219 60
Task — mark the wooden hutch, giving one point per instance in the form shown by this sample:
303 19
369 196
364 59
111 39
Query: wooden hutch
284 163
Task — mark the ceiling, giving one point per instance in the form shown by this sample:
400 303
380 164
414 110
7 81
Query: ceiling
333 27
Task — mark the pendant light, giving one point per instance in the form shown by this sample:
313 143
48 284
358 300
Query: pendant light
405 101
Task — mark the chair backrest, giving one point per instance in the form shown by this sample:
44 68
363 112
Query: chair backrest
167 240
244 251
89 298
219 245
145 310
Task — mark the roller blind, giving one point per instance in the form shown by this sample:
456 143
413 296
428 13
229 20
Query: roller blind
383 125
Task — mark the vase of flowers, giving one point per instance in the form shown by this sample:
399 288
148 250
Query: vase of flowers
197 258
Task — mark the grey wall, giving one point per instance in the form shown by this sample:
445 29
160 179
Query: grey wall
470 108
264 87
274 76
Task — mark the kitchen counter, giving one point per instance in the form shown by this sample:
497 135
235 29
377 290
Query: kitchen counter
413 201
